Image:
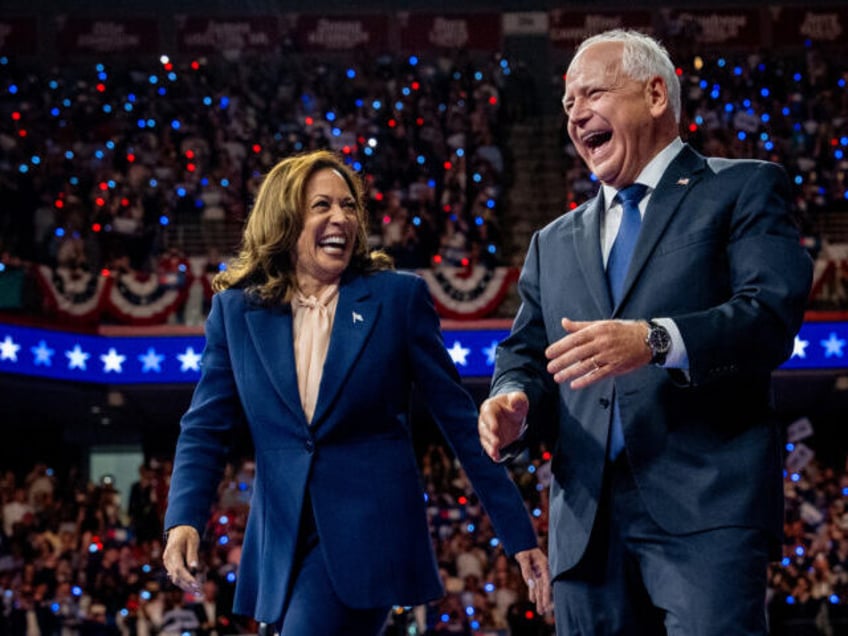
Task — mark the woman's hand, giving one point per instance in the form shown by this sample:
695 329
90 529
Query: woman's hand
534 571
180 557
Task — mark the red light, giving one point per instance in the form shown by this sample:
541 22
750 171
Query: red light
169 67
392 123
257 149
378 196
834 142
100 201
546 455
420 121
446 208
125 202
346 150
131 157
101 88
464 262
447 165
103 186
387 219
59 204
693 127
493 100
16 116
462 500
189 154
105 272
191 167
572 205
416 86
195 65
437 259
96 227
22 133
678 71
529 615
309 121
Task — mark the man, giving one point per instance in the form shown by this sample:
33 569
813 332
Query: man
649 326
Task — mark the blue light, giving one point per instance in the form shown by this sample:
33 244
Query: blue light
376 104
413 60
35 160
128 108
800 550
330 116
504 63
224 102
476 177
421 160
491 249
368 150
141 123
55 111
405 91
841 83
489 587
537 512
110 145
13 89
55 607
490 203
764 92
494 542
444 618
431 183
478 221
145 594
358 103
181 191
351 73
225 183
843 141
164 220
790 600
102 76
478 75
460 152
172 76
721 62
99 67
231 577
223 540
416 221
797 77
23 168
60 232
795 477
764 136
728 108
470 527
161 91
741 135
703 84
146 568
699 120
153 183
53 84
469 610
2 267
746 103
785 562
715 93
66 103
153 79
207 101
398 105
765 118
475 625
737 71
76 590
222 267
838 154
845 492
834 599
336 132
176 124
799 179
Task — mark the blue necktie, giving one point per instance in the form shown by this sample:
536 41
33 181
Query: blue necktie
617 265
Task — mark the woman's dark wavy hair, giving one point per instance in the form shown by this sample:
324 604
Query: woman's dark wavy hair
264 265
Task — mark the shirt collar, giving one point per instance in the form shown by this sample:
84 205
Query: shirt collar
651 173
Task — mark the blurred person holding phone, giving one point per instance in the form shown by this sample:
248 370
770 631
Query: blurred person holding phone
317 345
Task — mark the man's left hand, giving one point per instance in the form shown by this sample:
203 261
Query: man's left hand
534 570
594 350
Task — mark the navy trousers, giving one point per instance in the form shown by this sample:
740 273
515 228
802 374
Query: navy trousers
637 580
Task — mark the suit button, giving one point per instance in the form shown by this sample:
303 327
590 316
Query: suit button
310 446
604 403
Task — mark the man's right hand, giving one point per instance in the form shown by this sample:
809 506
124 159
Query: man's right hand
500 422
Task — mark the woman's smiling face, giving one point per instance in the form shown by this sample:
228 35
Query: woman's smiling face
325 245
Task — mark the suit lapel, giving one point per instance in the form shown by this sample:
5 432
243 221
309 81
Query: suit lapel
681 175
271 333
356 315
587 247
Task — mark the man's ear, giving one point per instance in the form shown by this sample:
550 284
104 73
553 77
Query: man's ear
656 94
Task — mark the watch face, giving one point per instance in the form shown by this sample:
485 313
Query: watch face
660 340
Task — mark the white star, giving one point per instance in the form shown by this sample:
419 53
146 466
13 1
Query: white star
458 353
43 354
112 361
9 350
151 360
190 360
490 353
832 346
800 349
77 357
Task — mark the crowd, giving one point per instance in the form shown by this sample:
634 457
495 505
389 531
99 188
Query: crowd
107 166
79 557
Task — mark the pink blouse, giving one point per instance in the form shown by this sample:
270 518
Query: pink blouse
312 324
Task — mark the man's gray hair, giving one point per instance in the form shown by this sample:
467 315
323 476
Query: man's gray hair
642 59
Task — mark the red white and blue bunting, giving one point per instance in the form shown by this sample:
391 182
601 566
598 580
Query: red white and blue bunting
468 293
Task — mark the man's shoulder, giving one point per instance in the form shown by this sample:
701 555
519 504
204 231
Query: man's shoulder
567 222
719 165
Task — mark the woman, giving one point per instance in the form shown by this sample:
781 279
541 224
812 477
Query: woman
337 531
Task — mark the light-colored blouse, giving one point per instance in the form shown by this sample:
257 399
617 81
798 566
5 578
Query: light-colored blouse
311 326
